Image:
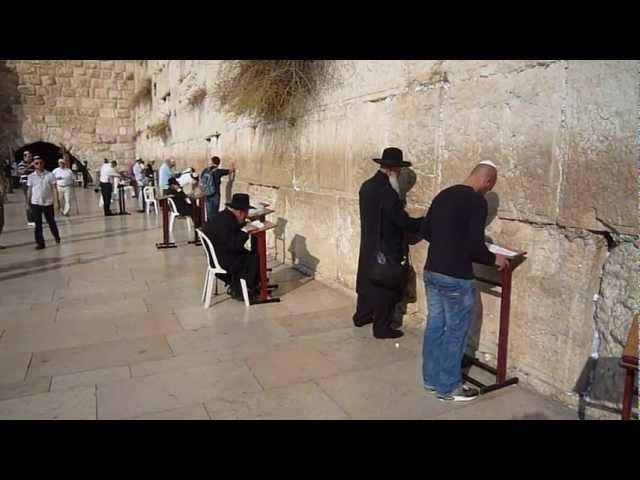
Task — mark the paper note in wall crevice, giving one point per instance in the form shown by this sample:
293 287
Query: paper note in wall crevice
501 250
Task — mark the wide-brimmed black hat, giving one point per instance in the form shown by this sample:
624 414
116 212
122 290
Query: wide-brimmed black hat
392 157
239 201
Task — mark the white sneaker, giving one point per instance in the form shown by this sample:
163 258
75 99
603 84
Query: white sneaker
31 224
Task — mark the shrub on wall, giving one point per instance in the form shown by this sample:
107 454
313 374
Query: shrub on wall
196 96
269 90
160 127
143 93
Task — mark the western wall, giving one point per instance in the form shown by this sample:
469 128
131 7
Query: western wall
564 135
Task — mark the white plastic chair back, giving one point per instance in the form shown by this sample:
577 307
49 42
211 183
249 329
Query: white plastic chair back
172 207
149 194
211 253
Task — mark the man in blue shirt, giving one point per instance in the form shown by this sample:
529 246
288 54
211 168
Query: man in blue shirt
210 184
164 174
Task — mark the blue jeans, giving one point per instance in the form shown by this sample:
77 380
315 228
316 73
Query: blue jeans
450 304
213 205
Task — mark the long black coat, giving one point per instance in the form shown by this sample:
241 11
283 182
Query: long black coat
228 240
376 194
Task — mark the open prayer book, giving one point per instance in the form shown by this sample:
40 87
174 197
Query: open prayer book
256 224
501 250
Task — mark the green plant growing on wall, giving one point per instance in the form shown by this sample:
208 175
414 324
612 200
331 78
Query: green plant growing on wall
160 127
269 90
196 96
143 93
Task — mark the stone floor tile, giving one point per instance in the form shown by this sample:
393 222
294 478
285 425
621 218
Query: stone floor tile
102 355
194 412
22 389
13 366
72 404
92 377
166 391
303 401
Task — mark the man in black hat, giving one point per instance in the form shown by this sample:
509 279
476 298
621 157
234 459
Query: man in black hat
381 216
228 233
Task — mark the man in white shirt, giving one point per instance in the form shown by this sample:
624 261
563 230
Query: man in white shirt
107 174
42 198
188 180
141 182
64 182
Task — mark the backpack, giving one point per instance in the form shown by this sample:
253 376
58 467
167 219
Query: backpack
207 184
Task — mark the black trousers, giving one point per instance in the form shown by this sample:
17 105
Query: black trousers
107 191
379 311
246 266
37 211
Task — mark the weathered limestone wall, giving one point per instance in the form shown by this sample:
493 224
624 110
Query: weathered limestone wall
561 132
80 103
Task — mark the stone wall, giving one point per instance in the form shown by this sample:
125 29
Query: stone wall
85 104
561 132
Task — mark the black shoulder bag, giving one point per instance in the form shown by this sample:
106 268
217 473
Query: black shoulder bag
386 272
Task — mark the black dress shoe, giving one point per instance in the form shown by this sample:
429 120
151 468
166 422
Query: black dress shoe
362 323
58 241
391 333
39 247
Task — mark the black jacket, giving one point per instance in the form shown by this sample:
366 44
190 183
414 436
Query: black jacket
228 240
379 200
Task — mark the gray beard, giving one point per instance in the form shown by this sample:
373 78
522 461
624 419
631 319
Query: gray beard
395 184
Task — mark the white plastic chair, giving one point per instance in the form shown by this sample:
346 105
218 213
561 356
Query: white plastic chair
173 214
150 199
213 268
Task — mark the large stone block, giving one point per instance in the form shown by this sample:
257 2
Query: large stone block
331 152
618 301
513 121
599 189
551 328
348 240
311 231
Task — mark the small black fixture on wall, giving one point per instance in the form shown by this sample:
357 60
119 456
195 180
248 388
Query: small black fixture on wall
216 135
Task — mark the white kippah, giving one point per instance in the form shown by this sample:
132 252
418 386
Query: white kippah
488 162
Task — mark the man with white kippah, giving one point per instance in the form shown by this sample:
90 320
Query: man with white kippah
454 227
64 182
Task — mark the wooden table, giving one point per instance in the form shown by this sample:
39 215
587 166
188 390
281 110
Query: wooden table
197 215
260 236
164 206
500 371
629 362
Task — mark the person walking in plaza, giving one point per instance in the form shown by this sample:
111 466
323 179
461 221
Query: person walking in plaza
4 186
454 227
141 182
107 174
210 179
64 183
42 198
383 221
26 168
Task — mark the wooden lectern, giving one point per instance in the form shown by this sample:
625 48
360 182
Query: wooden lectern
500 371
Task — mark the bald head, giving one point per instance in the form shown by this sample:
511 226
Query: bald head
483 177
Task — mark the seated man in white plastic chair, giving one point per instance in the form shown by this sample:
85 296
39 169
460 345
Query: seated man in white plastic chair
183 204
228 234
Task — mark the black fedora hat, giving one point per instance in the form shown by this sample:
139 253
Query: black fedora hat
392 157
239 201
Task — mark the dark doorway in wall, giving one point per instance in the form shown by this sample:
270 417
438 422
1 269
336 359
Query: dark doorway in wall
50 152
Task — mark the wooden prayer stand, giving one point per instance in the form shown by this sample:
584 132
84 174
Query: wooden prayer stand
197 215
260 236
121 201
500 371
166 243
629 362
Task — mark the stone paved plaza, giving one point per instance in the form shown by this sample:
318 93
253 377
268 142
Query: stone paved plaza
105 326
